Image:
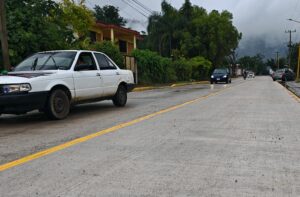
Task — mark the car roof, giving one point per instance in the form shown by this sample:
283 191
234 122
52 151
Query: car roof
69 51
221 68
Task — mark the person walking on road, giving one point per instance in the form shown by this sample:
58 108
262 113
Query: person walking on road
245 74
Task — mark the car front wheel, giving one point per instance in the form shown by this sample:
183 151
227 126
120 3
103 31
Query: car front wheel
58 105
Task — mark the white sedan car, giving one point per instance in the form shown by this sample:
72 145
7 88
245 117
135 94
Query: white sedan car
53 81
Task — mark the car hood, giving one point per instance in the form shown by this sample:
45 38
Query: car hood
21 77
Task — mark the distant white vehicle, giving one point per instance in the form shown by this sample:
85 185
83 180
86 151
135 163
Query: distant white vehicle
251 74
53 81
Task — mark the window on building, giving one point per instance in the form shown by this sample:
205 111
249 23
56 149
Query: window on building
123 46
93 36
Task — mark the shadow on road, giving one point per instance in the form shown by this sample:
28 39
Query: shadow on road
77 113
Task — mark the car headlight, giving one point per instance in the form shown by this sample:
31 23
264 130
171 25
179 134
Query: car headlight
225 76
212 77
14 88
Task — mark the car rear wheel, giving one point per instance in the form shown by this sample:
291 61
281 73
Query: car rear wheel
120 98
58 105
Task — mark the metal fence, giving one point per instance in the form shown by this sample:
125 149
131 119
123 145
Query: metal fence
130 64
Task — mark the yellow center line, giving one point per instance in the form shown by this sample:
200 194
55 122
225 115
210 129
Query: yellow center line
54 149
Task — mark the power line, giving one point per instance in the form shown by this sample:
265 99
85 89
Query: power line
135 8
133 18
90 4
143 6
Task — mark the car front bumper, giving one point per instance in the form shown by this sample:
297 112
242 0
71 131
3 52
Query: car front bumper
22 102
219 79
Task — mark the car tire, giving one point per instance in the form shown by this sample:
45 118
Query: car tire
120 98
211 82
227 81
230 81
58 105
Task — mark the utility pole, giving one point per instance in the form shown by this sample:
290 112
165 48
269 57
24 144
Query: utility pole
277 59
3 36
298 66
290 45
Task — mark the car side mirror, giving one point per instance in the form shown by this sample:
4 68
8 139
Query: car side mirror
81 67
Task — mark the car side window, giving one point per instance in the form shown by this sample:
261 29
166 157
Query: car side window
86 59
104 63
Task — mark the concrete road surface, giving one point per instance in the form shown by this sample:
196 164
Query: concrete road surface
236 140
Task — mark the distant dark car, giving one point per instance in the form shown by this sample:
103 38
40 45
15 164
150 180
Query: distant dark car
288 75
220 75
284 74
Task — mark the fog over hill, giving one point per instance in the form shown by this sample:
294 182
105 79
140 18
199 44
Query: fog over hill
261 45
262 22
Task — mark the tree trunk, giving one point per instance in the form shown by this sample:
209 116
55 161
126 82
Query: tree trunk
3 36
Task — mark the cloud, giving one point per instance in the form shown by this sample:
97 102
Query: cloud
254 18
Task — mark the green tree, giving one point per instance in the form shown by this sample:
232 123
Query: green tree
77 17
255 63
109 14
161 30
192 32
34 25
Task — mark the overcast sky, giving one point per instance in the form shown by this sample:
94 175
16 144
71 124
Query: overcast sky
254 18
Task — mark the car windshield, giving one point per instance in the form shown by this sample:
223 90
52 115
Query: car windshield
220 71
280 71
47 61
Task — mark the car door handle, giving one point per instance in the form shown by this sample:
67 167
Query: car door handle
98 75
117 73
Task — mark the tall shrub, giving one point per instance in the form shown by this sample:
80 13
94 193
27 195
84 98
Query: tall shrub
153 68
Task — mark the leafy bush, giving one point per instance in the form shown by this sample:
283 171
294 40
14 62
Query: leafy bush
196 68
200 68
183 69
153 68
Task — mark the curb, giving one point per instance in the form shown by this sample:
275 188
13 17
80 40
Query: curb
191 83
140 89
